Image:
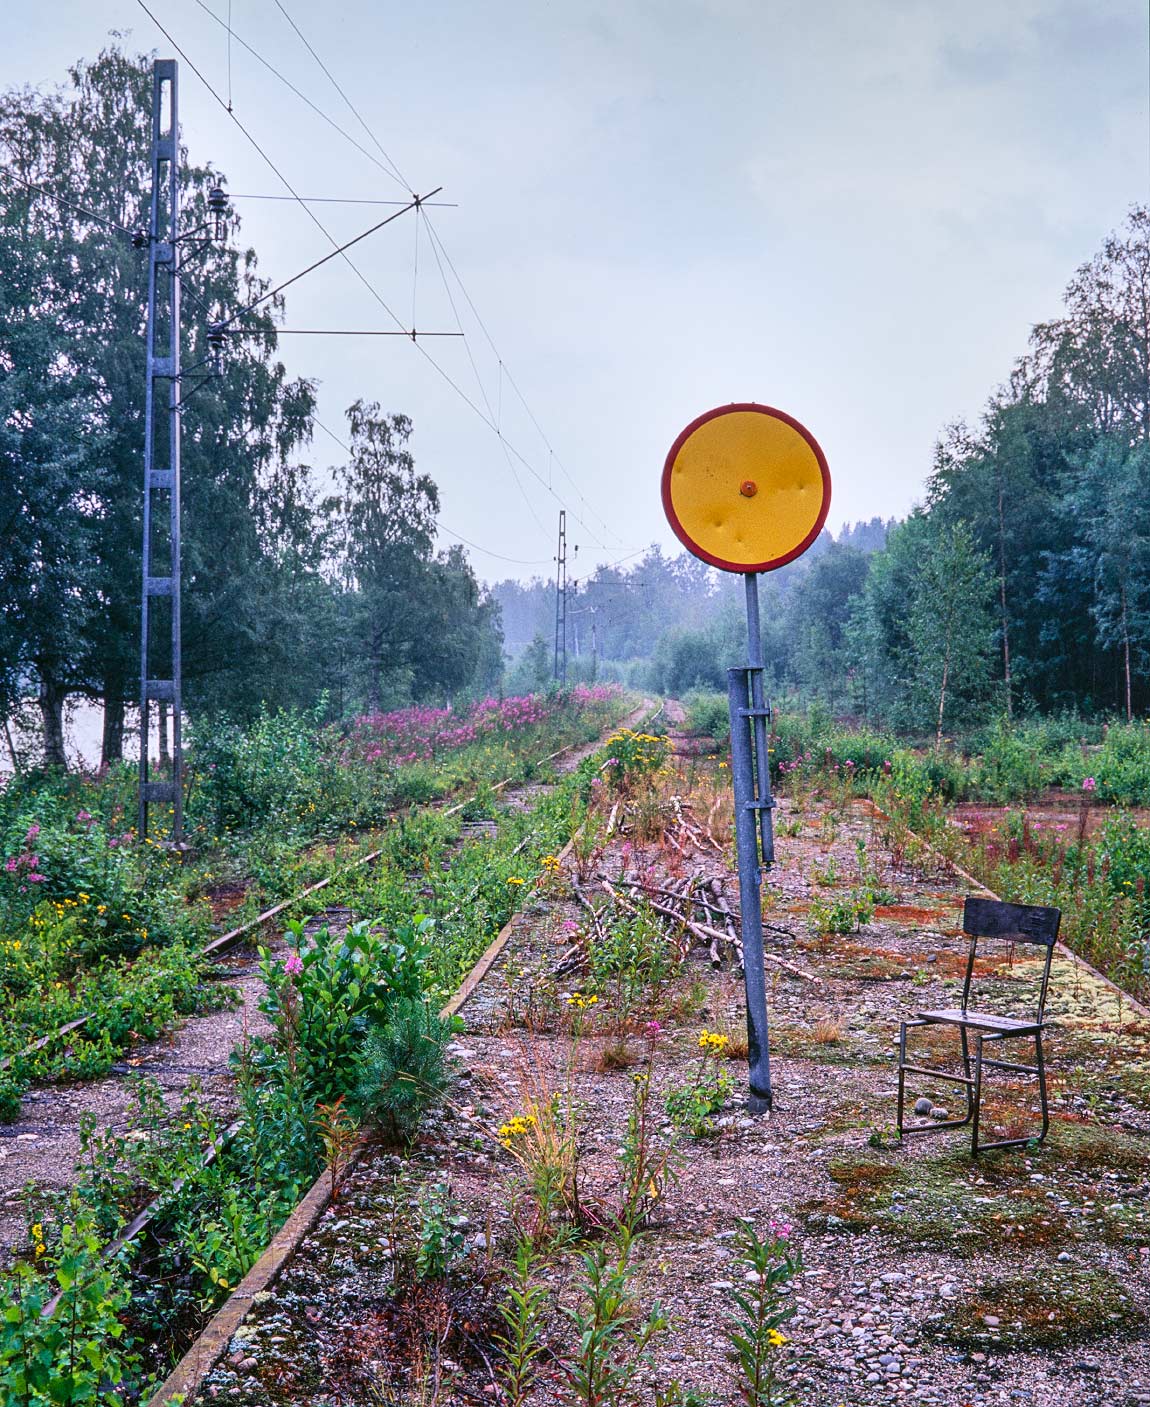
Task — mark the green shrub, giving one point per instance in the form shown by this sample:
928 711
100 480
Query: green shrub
11 1097
707 714
75 1355
1011 767
403 1068
324 998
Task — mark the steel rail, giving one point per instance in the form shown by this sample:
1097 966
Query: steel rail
148 1213
228 940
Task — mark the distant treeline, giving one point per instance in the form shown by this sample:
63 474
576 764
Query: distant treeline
1021 584
286 595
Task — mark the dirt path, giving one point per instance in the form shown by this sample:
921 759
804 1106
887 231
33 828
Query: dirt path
928 1277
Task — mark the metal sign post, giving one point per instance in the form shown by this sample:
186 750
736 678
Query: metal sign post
747 489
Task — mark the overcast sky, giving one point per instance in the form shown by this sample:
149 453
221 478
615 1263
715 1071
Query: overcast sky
850 209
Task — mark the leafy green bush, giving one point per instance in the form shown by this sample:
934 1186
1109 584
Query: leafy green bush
707 714
1011 766
11 1097
75 1355
1122 768
325 997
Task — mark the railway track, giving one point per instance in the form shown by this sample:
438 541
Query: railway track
44 1147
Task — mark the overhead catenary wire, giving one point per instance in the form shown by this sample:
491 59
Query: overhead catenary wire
336 200
442 527
71 204
331 122
356 332
494 422
362 278
335 84
432 235
492 415
327 258
437 243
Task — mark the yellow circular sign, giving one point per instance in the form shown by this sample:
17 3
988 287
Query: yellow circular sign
746 488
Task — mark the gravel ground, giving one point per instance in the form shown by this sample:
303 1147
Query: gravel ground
42 1147
928 1277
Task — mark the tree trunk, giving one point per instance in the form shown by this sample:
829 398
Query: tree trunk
112 739
12 753
162 727
1002 598
376 658
942 696
52 714
1126 654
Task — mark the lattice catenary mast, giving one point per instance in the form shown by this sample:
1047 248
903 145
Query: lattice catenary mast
161 550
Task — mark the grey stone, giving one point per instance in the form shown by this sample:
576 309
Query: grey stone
923 1106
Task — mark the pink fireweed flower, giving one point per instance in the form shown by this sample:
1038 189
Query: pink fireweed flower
293 965
1088 784
33 832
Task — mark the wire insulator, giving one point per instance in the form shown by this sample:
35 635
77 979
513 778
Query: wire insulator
218 209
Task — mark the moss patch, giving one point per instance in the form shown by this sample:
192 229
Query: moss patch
1085 1183
1048 1308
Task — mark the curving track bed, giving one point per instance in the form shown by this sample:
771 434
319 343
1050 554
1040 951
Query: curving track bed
41 1149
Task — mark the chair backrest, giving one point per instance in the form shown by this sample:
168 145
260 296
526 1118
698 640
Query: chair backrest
1013 923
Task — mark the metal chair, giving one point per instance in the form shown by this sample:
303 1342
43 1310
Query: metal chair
1014 923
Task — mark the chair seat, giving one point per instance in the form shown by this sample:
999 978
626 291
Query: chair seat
980 1021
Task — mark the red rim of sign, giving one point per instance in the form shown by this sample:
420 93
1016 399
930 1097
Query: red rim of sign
673 518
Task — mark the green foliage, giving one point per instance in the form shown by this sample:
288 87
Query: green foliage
522 1312
844 914
340 988
440 1241
708 714
403 1068
754 1331
688 659
632 956
634 758
77 1354
692 1105
611 1345
11 1097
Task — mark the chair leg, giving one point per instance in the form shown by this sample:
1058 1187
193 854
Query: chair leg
941 1127
1038 1069
976 1097
901 1076
1042 1099
966 1071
